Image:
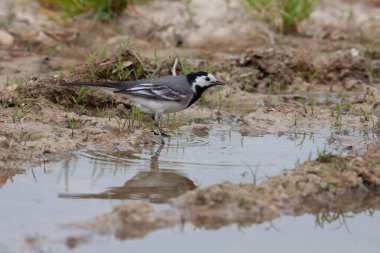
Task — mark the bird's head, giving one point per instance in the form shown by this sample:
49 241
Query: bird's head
200 81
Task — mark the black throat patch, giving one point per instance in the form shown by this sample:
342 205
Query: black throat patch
198 93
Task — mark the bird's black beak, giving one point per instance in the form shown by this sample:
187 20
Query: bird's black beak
218 82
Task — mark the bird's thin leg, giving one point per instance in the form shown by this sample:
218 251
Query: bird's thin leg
157 125
157 118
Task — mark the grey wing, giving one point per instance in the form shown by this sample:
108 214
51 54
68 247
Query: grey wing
154 91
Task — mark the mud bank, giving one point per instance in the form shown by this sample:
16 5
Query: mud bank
330 184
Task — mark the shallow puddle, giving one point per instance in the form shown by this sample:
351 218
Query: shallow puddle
221 155
95 182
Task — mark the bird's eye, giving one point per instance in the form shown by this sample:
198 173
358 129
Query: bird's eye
207 79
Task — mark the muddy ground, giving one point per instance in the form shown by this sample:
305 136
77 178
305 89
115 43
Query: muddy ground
327 78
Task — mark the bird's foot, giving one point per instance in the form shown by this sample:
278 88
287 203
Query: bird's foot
161 142
161 133
165 135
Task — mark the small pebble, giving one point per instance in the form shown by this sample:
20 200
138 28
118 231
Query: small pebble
6 39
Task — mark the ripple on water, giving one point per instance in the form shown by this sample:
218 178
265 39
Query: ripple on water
223 148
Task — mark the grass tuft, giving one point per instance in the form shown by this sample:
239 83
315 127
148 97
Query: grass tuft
102 9
322 155
81 94
71 125
17 115
284 15
185 68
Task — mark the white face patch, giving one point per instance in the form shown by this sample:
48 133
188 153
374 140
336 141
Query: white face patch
203 81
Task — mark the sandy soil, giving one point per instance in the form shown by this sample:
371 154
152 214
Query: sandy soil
325 79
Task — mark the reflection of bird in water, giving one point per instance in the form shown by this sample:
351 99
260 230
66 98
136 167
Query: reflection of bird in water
156 185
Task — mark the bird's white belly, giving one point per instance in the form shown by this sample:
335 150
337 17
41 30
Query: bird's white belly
156 106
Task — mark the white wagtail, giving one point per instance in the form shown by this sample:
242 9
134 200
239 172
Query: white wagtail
163 94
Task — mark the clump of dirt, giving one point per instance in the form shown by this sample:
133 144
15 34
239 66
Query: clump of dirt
124 65
129 221
312 187
128 65
277 70
273 69
47 88
350 65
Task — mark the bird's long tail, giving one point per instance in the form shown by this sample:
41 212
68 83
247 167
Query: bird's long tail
104 84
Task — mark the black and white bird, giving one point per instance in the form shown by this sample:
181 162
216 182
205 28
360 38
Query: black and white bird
163 94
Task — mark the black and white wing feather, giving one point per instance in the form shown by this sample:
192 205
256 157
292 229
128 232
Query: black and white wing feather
153 91
168 88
